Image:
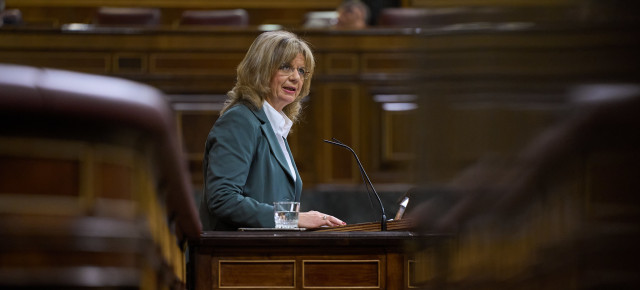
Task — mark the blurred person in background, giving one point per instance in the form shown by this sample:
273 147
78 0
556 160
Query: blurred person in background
352 14
9 16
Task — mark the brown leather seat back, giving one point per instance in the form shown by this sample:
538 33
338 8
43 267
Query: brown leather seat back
10 17
130 16
403 17
42 103
231 17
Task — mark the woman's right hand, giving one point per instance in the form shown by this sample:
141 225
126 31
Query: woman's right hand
314 219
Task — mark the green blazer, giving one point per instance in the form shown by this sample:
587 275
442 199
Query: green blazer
245 171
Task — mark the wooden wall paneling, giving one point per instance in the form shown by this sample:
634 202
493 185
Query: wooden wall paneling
194 126
222 40
398 129
369 149
398 145
532 39
340 63
55 40
210 64
340 120
390 132
195 116
389 63
464 131
474 126
188 84
124 40
385 127
90 62
319 114
532 55
536 64
130 63
433 146
320 66
360 41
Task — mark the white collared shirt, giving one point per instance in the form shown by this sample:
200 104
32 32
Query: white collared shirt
281 124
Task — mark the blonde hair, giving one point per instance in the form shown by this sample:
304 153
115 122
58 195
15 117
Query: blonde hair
265 55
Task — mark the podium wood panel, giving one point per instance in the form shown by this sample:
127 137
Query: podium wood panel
341 273
304 260
242 273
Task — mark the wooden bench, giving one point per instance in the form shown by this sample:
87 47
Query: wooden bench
93 189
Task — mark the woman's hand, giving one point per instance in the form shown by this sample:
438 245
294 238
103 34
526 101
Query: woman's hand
315 219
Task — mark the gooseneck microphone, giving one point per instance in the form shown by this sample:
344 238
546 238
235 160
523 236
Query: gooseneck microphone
383 221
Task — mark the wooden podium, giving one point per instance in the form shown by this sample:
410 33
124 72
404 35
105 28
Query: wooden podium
321 259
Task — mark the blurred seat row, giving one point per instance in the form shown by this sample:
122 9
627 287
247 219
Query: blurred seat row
389 17
152 17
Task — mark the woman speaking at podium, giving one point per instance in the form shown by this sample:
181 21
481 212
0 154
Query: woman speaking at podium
247 162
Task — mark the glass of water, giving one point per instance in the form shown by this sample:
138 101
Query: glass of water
286 214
